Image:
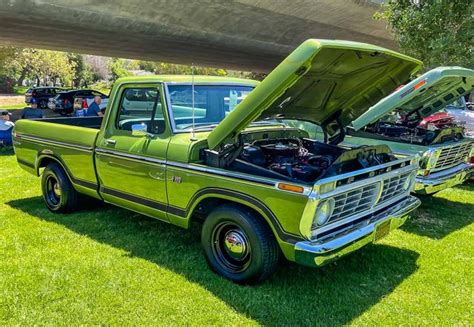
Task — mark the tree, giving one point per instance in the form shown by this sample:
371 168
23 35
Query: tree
83 75
99 67
438 32
118 68
41 65
175 69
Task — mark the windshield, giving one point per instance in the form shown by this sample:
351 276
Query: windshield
314 131
212 103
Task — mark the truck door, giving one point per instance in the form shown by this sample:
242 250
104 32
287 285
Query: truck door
131 175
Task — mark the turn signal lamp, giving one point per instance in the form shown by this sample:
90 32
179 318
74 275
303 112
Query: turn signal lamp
291 188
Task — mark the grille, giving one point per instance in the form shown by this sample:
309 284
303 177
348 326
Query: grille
363 198
393 187
354 201
454 155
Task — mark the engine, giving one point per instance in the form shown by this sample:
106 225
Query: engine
292 158
287 157
438 128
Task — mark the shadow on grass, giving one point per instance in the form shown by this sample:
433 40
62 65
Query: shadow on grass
295 295
438 217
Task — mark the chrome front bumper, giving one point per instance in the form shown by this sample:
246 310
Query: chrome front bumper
441 180
330 248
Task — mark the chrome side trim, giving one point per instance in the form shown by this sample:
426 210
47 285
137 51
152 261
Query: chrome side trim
213 171
129 156
31 138
201 169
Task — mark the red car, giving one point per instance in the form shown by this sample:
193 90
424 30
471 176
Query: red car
438 120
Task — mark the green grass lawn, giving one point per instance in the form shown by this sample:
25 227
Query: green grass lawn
109 266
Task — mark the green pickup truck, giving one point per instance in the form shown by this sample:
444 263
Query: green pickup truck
222 150
416 126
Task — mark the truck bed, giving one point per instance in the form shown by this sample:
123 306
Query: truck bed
89 122
71 141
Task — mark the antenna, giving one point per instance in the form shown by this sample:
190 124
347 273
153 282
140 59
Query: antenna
193 135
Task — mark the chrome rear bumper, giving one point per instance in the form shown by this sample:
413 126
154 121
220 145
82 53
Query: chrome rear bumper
441 180
334 246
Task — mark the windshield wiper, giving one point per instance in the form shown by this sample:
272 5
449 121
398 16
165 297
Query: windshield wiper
200 126
266 123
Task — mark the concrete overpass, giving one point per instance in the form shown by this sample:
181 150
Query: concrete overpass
237 34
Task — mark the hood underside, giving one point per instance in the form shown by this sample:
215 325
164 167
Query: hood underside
424 96
322 81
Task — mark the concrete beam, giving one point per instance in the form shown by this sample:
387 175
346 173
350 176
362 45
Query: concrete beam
240 34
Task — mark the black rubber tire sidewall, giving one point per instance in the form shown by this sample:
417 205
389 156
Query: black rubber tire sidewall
69 196
265 250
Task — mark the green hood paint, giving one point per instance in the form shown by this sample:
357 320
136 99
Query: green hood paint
320 81
428 94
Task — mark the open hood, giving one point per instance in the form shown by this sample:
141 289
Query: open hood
425 95
322 81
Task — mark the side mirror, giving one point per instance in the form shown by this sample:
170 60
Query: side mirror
140 130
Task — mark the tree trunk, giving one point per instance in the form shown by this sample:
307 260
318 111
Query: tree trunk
21 78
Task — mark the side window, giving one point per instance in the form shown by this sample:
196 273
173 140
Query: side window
137 106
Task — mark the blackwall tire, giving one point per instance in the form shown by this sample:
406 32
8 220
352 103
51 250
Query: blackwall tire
58 193
239 245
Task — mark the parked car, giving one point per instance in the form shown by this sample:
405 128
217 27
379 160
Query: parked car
463 112
42 94
261 188
63 102
447 153
438 120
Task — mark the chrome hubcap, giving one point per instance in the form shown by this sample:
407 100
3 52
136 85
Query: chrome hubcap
231 247
53 191
235 244
57 190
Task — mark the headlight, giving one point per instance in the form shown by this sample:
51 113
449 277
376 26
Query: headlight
430 158
323 212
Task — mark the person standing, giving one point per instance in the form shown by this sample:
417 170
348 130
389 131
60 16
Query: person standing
94 108
33 112
6 128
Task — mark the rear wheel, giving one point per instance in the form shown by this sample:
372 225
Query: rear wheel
58 193
239 245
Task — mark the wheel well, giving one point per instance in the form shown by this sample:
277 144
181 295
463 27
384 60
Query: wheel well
205 206
44 161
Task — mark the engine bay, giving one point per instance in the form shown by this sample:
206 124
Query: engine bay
287 157
439 128
300 159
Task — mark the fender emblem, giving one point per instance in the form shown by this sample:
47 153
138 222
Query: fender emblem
176 179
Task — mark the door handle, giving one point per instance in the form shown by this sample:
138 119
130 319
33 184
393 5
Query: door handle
110 141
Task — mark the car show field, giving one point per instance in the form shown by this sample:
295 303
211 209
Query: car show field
105 265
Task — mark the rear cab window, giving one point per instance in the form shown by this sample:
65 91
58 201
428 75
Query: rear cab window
141 105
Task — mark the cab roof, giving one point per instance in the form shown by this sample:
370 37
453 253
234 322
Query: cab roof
198 79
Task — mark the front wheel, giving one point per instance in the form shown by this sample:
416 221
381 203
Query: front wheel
239 245
58 193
